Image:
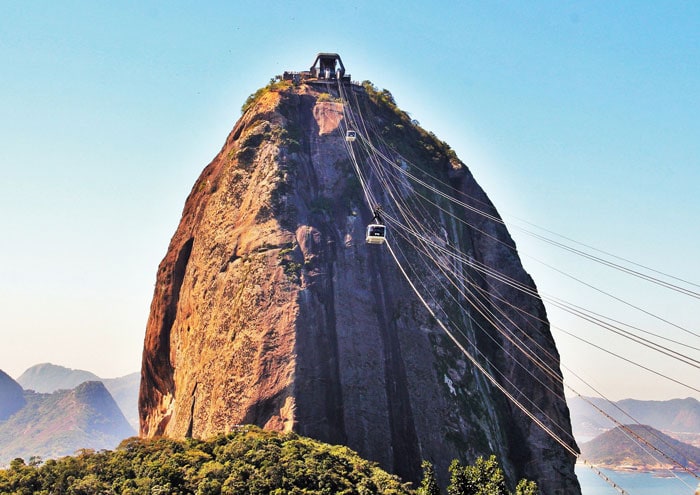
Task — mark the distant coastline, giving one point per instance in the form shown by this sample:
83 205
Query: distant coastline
636 482
659 471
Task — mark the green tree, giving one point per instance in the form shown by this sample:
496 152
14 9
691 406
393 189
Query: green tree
526 487
484 477
428 485
488 475
458 480
89 485
21 479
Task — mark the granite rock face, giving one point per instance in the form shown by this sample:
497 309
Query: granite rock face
270 308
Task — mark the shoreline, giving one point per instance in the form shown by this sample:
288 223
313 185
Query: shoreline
658 472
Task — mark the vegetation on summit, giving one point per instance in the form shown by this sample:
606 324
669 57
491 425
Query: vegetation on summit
247 461
275 84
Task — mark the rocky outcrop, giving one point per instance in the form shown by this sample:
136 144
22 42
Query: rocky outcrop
269 308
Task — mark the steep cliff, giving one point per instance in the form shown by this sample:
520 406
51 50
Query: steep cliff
269 308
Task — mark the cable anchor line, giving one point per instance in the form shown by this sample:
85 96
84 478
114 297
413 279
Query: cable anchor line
374 159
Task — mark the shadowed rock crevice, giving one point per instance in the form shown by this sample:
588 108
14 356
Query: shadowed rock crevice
319 399
157 368
190 428
405 443
178 277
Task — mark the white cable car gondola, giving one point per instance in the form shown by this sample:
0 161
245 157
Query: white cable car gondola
376 231
350 136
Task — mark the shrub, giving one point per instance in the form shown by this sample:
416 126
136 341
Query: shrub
274 85
484 477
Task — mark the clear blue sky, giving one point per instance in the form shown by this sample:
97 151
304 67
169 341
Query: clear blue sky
581 117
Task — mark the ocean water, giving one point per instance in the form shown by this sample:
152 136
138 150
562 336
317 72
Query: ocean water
634 483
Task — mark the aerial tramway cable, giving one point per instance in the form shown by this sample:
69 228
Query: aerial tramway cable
676 354
567 307
491 379
561 245
350 117
462 348
626 431
641 340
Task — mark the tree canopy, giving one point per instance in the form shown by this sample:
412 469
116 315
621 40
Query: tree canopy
248 461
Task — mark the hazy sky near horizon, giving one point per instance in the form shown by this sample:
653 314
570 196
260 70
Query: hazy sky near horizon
580 117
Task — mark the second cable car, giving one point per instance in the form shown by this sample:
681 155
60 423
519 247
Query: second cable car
350 136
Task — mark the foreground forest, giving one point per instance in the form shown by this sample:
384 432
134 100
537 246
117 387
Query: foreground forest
247 461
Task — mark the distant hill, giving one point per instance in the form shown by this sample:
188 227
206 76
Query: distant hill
48 378
616 449
60 423
125 391
11 396
680 416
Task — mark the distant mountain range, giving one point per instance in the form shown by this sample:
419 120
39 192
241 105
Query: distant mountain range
679 417
48 378
52 411
625 447
62 422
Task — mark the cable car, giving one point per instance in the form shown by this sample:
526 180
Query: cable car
376 231
350 136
